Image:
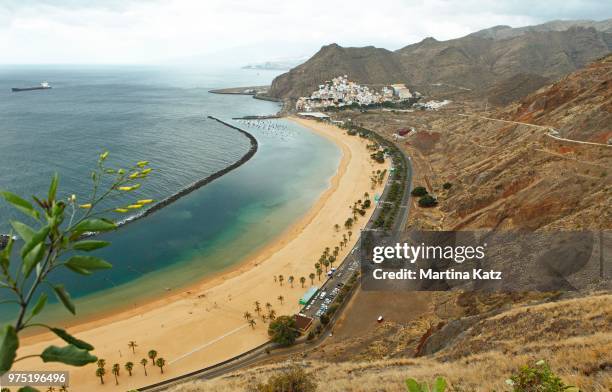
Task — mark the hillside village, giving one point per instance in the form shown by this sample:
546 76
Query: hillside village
340 92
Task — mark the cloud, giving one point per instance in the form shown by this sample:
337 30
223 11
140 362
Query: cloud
146 31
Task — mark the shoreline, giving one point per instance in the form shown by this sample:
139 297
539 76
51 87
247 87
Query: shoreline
205 311
213 279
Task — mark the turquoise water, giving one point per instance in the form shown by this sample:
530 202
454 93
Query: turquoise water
160 115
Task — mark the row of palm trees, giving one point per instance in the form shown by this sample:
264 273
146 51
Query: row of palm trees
291 279
270 313
152 355
377 177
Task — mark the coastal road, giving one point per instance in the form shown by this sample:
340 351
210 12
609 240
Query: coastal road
331 287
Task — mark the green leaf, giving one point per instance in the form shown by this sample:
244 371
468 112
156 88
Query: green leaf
5 254
90 245
36 239
40 304
440 385
70 355
64 297
27 389
86 263
20 204
412 385
9 343
94 225
32 259
53 188
25 232
71 339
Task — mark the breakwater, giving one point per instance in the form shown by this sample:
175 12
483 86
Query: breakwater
200 183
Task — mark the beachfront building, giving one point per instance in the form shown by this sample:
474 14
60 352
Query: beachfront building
401 91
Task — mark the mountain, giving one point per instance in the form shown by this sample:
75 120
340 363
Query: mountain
368 65
503 32
479 61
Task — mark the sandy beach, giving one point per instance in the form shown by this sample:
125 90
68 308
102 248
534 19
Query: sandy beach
203 324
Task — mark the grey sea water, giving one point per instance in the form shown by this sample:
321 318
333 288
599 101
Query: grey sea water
159 115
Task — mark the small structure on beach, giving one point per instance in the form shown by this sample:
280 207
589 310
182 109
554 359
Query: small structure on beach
308 295
302 322
317 115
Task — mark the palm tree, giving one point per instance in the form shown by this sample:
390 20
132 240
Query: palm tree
332 259
319 272
344 238
247 316
152 354
272 314
312 276
350 233
252 323
264 318
281 299
115 371
144 362
129 366
326 250
268 305
50 389
257 307
101 363
280 279
326 264
160 363
341 244
366 196
302 281
291 279
337 227
63 388
132 344
274 278
100 372
336 251
317 265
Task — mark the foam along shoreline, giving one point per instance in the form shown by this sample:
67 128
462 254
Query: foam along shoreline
203 324
200 183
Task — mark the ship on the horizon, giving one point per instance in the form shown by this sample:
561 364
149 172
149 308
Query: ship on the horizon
43 86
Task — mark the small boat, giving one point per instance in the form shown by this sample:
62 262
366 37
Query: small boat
43 86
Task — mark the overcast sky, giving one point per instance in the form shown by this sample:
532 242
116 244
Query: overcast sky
224 31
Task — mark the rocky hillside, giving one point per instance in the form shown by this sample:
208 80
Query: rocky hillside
579 106
477 62
505 169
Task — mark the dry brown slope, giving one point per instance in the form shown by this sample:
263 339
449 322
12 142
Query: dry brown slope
573 335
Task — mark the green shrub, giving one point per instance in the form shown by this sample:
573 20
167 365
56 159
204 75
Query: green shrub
294 379
447 185
419 191
283 330
538 378
428 201
414 386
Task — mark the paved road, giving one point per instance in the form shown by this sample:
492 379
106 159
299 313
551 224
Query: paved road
331 287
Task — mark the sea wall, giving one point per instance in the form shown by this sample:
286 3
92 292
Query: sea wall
200 183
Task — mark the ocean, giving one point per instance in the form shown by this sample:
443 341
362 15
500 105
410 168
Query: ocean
160 115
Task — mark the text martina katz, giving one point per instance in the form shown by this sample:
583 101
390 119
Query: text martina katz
430 274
